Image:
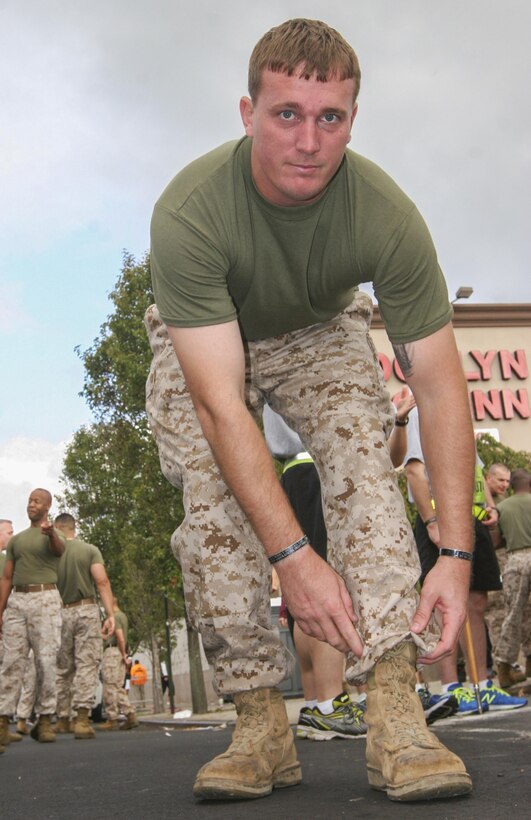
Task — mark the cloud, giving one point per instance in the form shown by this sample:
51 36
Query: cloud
25 464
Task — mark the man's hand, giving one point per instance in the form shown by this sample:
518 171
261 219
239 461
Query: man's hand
433 532
445 589
404 402
46 527
108 627
319 601
492 517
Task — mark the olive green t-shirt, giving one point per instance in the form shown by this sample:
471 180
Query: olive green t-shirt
220 251
515 521
120 622
74 578
34 561
2 562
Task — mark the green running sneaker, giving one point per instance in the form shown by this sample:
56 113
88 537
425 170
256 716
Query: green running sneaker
346 721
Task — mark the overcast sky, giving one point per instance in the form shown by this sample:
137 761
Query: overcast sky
101 103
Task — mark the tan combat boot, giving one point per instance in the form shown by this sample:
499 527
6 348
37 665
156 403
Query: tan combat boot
43 730
62 726
130 722
404 758
261 756
507 676
6 736
4 732
22 727
82 728
108 726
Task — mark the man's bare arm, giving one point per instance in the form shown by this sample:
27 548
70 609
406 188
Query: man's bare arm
120 642
212 360
105 592
433 371
56 540
6 584
420 490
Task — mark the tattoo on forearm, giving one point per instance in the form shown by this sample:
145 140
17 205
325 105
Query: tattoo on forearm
404 355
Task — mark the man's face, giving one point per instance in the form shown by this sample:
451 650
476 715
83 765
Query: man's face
6 531
498 481
300 130
38 506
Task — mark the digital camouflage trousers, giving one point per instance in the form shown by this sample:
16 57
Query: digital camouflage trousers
115 699
515 632
326 382
31 620
79 659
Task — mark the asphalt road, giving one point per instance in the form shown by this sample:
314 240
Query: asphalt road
148 773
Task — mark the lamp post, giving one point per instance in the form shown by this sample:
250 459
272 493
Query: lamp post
463 292
171 686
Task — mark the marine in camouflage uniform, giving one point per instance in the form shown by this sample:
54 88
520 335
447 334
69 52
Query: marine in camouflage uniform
115 698
515 528
257 251
6 531
32 614
80 653
498 479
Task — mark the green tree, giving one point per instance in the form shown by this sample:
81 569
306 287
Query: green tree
111 474
491 451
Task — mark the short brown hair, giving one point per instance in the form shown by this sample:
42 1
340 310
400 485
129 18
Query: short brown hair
310 45
520 479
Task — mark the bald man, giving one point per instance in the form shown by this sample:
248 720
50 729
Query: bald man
30 615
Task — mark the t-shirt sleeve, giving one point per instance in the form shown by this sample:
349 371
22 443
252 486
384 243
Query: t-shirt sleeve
96 556
409 284
10 550
189 268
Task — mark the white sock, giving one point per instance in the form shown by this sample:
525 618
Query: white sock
310 703
445 686
483 683
420 686
326 706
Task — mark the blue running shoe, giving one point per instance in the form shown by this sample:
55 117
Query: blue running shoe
497 699
437 706
466 700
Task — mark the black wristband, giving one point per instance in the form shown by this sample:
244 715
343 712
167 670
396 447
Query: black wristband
465 556
278 556
403 423
431 520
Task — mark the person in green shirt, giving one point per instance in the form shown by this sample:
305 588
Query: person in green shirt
257 252
81 570
115 698
515 532
30 615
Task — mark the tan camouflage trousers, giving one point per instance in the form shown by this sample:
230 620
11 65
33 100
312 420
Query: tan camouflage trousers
28 691
516 589
115 698
31 620
326 382
79 659
495 611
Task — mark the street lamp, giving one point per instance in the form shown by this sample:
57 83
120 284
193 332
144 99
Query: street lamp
463 293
